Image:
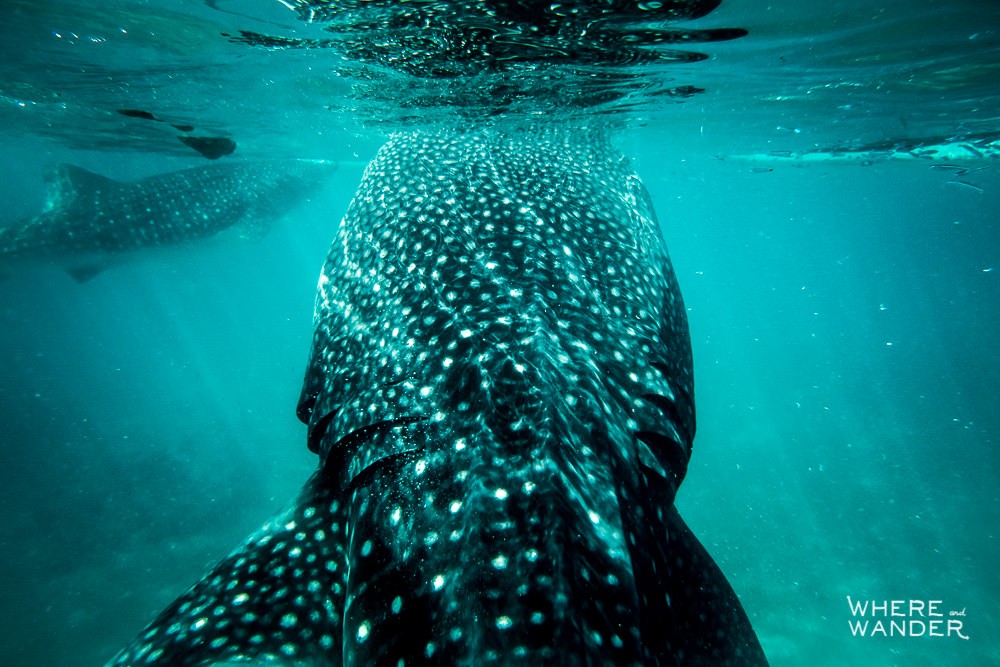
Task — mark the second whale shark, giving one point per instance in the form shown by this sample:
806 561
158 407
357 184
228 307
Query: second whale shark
91 221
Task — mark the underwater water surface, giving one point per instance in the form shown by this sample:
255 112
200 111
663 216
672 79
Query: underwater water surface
830 203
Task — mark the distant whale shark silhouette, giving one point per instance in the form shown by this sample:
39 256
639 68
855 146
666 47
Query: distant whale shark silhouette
91 221
500 392
934 151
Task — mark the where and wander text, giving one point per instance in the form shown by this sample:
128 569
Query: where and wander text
904 618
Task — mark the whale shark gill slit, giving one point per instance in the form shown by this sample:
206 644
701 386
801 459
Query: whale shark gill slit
337 454
318 430
670 411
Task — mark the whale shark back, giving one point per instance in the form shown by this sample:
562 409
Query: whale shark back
501 397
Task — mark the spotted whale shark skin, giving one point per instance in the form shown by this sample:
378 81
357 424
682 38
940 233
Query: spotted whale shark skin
500 393
90 221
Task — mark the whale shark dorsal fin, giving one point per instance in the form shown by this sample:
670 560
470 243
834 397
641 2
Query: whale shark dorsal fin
65 182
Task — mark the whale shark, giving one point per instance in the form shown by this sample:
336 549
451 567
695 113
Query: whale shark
936 151
500 396
91 222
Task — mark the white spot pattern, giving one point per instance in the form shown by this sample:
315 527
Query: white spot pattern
484 345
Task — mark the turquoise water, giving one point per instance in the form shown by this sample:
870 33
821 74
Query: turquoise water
843 310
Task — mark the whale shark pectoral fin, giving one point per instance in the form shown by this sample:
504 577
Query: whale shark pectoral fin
86 272
709 622
278 597
65 182
253 226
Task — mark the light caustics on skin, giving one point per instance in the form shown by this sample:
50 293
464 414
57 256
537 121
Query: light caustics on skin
500 394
